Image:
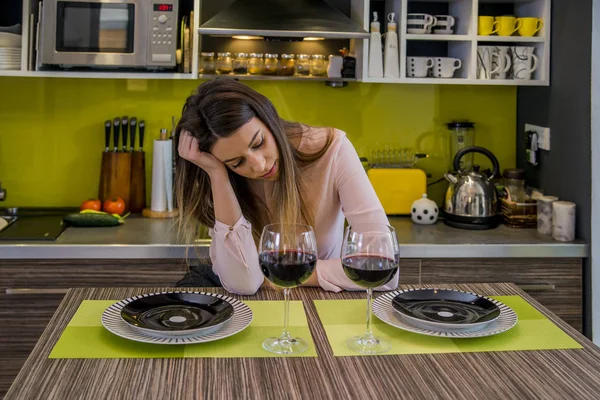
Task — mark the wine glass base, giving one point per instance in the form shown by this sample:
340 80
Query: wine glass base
285 345
368 345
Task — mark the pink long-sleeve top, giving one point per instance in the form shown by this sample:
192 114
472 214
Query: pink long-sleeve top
338 188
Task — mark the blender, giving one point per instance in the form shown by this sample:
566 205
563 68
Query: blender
461 135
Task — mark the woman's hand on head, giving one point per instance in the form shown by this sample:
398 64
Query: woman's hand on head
188 150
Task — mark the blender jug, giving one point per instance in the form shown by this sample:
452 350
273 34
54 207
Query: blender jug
461 134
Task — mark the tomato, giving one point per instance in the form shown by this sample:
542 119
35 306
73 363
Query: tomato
91 204
115 205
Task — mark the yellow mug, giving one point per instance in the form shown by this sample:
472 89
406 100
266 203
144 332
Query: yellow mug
508 25
487 26
530 26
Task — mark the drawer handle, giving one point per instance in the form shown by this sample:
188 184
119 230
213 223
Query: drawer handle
35 291
536 287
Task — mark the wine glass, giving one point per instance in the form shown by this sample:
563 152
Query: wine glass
370 259
287 257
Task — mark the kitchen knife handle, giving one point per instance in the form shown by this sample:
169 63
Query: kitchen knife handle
125 125
107 125
142 129
116 123
133 124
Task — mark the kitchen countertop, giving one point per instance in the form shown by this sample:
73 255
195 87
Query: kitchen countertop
155 238
547 374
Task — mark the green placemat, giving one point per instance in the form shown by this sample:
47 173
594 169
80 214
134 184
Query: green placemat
85 337
345 318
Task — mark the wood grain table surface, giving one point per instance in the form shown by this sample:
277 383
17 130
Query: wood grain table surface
548 374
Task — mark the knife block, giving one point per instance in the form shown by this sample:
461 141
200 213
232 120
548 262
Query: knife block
115 179
138 182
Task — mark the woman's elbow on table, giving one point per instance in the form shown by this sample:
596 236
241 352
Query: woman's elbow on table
245 287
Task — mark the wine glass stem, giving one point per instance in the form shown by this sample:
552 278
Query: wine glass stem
286 314
369 299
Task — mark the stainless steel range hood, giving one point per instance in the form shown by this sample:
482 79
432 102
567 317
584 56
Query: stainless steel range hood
283 19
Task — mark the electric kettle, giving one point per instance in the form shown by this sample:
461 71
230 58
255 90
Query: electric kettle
471 199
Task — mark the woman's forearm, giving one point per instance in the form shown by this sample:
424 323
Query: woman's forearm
227 207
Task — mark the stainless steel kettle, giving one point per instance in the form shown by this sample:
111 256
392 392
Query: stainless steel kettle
471 199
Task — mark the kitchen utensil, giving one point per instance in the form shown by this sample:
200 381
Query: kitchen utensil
502 62
444 23
563 221
461 134
161 194
177 314
419 23
113 322
138 169
508 25
117 175
445 67
424 211
384 310
530 26
471 199
486 67
397 188
125 125
116 125
445 309
544 214
487 26
105 160
417 67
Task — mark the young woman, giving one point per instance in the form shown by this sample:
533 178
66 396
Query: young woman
241 166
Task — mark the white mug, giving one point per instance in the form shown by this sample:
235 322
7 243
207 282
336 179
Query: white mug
502 62
444 22
417 67
524 62
419 23
445 66
485 64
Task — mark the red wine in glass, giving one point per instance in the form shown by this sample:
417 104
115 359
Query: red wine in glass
287 269
370 271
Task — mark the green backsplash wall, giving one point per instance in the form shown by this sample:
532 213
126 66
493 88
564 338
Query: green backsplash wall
52 135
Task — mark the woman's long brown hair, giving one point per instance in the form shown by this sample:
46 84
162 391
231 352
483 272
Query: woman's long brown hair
215 110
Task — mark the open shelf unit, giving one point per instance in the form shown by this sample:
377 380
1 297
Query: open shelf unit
462 44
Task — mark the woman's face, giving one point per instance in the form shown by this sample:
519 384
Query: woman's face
250 151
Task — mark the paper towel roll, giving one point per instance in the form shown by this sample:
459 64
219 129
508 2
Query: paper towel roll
162 182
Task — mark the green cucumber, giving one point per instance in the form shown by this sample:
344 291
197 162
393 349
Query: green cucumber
89 219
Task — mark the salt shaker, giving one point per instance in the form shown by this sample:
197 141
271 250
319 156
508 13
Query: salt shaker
563 221
544 214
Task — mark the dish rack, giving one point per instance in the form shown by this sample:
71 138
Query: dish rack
519 215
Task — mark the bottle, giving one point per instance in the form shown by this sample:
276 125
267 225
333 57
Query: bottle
375 55
392 66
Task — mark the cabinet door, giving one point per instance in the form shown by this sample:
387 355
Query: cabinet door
556 283
410 271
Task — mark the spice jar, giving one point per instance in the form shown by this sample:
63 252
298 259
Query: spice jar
207 63
303 65
255 64
224 63
318 65
286 67
271 64
514 182
240 64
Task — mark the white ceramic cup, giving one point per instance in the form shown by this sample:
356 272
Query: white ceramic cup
444 67
485 64
418 67
501 62
444 21
524 62
419 23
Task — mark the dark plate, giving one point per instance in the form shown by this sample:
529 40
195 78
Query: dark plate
443 308
177 314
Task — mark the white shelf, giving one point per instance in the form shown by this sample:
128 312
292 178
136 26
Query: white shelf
97 75
433 37
276 78
456 81
513 39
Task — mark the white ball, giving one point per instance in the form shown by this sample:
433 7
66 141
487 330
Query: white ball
424 211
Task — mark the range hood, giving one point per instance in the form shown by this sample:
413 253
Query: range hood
283 20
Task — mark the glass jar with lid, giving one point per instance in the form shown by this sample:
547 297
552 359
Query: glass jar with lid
271 64
240 64
286 67
461 134
318 65
514 182
303 65
207 64
255 64
224 63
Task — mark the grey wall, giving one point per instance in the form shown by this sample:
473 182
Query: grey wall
595 264
564 107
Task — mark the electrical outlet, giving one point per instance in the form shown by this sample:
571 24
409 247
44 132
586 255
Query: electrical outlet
543 135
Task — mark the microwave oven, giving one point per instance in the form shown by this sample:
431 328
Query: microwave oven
108 33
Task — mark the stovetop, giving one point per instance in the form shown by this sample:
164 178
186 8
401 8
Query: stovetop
35 224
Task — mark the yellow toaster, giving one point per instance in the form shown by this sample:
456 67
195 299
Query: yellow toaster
398 188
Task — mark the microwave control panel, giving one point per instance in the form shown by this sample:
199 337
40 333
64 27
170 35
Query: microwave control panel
163 34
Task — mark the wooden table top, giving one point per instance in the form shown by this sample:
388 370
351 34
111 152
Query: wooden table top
553 374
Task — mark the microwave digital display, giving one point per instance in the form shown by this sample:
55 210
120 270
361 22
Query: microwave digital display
163 7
